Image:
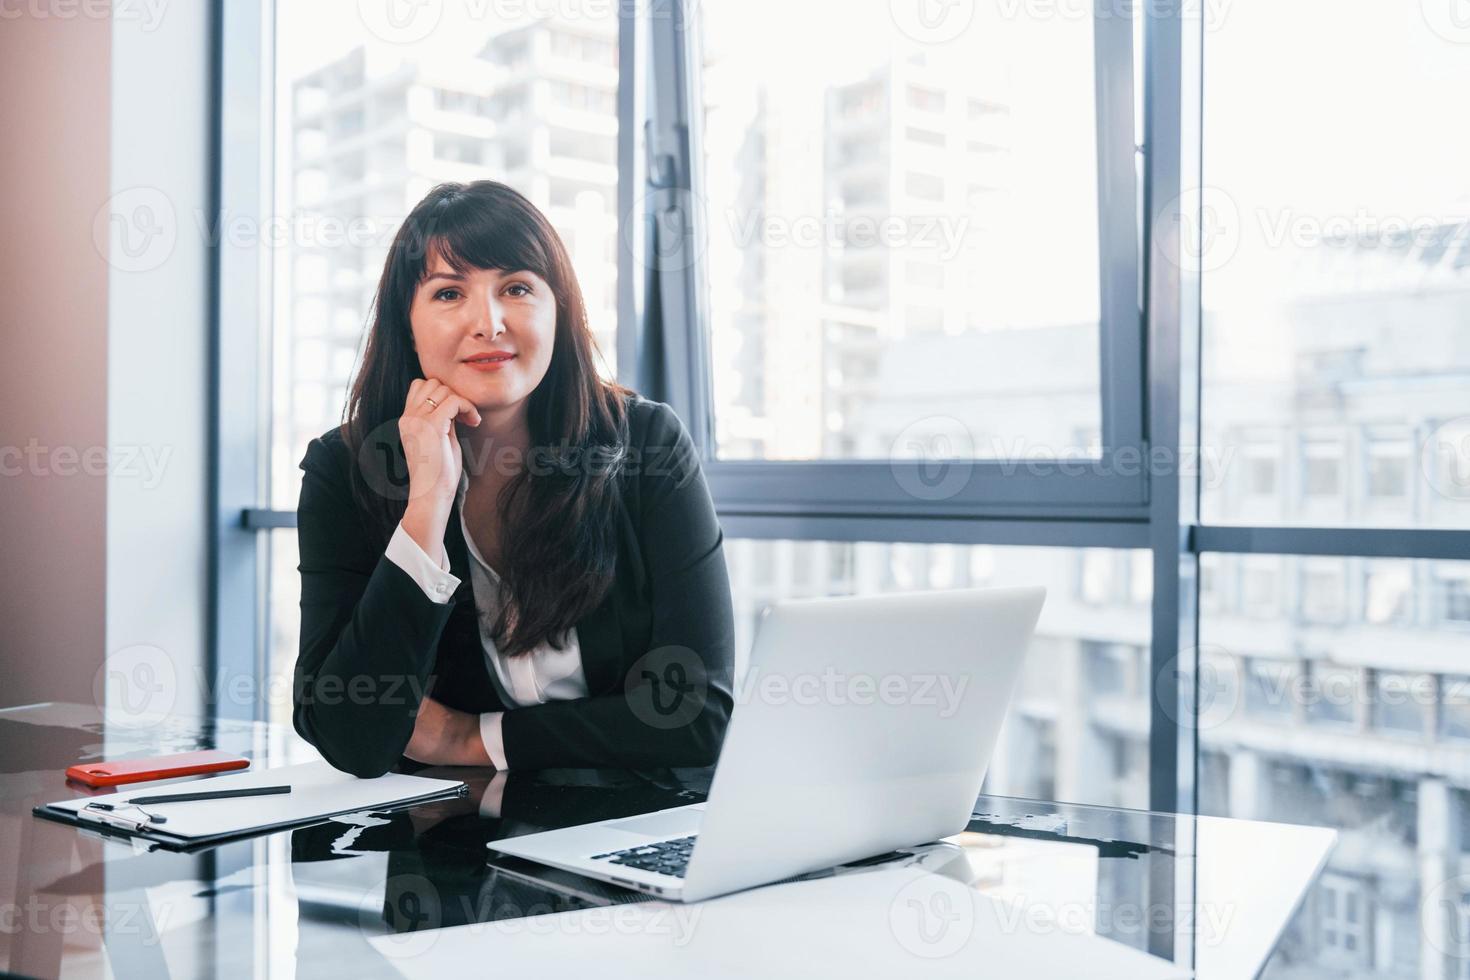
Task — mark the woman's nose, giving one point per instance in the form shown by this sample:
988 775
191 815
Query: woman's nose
492 322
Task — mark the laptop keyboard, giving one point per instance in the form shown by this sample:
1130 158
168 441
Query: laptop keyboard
665 857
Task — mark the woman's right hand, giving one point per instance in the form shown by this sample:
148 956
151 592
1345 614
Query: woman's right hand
431 449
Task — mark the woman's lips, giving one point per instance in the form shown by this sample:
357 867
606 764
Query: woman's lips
489 365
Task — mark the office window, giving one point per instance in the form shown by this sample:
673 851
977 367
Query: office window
820 186
1367 741
284 637
329 57
1068 665
1331 288
468 66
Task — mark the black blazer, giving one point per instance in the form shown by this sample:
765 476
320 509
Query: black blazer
658 653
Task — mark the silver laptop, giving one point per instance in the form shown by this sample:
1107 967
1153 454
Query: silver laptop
863 724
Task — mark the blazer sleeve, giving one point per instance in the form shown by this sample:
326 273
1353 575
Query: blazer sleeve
692 639
369 633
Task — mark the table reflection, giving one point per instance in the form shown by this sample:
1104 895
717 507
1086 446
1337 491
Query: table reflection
308 902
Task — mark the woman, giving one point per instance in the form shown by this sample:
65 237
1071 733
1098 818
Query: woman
505 560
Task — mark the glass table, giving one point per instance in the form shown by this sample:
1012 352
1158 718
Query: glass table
417 892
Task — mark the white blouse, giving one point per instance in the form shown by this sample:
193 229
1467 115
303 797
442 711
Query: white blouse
544 674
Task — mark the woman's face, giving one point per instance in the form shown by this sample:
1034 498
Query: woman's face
459 317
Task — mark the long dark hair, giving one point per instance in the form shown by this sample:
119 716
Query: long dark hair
560 549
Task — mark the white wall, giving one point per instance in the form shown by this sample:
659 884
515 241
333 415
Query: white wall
157 365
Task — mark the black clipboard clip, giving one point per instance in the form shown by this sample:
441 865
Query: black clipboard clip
108 815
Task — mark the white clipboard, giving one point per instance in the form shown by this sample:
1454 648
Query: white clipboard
317 792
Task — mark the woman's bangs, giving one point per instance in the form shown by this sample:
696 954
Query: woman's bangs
484 239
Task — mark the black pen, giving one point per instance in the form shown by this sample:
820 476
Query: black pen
221 794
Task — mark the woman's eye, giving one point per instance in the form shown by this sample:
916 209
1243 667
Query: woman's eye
440 293
522 289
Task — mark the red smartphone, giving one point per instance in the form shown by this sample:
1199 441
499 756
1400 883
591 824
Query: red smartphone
155 767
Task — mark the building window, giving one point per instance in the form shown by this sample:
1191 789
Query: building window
449 100
1270 687
1401 701
584 98
1454 595
1332 694
1454 712
1386 588
1387 467
590 147
458 149
588 50
1322 591
1261 475
981 108
1321 469
925 99
1109 668
924 137
861 100
1260 586
1343 918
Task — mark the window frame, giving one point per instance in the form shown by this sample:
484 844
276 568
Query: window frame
1113 487
1149 361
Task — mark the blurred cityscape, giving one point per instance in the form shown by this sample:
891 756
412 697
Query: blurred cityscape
1325 404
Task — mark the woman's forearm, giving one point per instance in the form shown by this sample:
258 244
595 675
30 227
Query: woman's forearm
364 664
425 523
